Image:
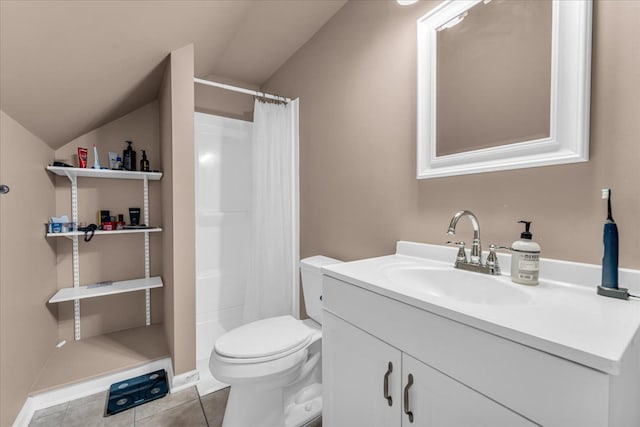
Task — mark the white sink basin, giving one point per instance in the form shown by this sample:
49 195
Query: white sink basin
562 316
459 285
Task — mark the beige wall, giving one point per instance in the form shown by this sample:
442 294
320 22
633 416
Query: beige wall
178 205
111 257
28 331
356 80
166 186
224 103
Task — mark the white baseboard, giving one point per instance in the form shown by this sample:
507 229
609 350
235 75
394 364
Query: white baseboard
96 385
26 413
183 381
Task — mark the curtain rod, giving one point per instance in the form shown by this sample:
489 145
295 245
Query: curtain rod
241 90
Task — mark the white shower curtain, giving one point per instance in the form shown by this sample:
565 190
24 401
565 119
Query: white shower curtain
272 269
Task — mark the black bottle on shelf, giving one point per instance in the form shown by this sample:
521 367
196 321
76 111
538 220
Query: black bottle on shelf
144 163
129 157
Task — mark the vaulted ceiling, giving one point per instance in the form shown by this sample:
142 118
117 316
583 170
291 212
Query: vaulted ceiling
67 67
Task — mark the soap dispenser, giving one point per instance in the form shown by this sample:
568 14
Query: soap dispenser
525 258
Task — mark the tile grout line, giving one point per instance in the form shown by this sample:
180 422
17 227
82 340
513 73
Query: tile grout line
135 420
206 420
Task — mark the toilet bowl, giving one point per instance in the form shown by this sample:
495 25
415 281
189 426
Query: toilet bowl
274 365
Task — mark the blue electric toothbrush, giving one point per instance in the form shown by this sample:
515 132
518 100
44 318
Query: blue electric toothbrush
609 285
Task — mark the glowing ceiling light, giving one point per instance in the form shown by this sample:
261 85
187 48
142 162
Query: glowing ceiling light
406 2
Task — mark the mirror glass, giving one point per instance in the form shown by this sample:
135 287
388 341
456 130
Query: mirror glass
503 84
494 76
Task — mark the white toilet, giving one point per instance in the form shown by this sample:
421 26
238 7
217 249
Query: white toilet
274 365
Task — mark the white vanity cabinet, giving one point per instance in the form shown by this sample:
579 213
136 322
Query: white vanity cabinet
436 400
370 383
354 368
462 375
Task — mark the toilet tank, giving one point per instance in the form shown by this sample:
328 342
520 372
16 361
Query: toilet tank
312 283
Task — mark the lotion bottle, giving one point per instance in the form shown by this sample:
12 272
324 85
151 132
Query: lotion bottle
525 258
129 157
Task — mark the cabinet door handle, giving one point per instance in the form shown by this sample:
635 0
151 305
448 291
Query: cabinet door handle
406 398
385 390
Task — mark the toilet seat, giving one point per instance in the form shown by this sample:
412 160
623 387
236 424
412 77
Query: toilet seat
278 369
259 342
265 350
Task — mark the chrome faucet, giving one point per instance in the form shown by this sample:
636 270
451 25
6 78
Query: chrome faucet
475 262
476 248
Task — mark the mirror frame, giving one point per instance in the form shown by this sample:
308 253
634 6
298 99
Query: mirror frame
568 140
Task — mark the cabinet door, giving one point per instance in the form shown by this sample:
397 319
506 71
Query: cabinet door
435 399
353 373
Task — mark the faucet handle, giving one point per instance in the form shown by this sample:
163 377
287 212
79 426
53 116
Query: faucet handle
462 255
492 258
494 247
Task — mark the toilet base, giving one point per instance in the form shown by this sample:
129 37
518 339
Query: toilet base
303 410
248 406
289 401
243 409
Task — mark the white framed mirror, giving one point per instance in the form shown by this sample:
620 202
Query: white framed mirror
503 85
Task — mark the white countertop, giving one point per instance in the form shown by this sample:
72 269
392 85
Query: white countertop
565 319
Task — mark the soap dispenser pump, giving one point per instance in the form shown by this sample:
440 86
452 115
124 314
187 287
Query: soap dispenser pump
525 258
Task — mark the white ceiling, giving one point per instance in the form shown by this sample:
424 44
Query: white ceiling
67 67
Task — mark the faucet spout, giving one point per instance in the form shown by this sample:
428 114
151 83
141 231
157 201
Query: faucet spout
476 249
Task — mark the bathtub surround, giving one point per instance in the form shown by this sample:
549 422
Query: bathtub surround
359 194
223 222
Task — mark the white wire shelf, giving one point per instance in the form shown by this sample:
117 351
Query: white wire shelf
102 233
103 173
92 291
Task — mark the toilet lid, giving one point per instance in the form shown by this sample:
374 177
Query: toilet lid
263 338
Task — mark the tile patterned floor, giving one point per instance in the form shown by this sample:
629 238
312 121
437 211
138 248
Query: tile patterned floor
182 409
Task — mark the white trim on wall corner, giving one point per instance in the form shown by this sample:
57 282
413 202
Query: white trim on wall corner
85 388
183 381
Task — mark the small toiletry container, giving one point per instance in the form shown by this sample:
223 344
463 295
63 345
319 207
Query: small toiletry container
525 258
134 216
68 227
144 163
